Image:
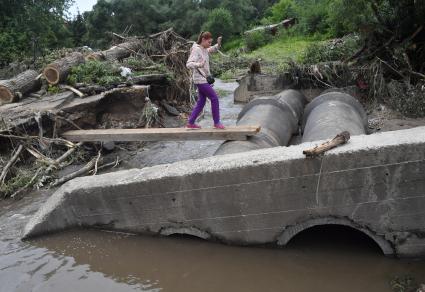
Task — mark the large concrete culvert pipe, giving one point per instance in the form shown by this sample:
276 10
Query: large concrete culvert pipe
332 113
278 117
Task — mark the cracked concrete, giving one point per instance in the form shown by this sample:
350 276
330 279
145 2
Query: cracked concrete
375 184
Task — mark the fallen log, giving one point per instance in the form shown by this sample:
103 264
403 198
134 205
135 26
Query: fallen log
58 70
117 52
339 139
24 83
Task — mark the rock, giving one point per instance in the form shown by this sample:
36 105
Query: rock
108 146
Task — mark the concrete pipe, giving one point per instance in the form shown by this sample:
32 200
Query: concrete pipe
332 113
278 117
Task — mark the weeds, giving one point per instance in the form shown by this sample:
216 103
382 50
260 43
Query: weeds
331 50
149 114
95 72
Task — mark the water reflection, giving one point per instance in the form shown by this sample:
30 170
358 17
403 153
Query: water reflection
310 263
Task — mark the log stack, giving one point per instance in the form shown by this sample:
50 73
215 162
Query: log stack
117 52
11 90
57 71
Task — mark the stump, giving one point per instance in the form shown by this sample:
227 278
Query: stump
12 89
57 71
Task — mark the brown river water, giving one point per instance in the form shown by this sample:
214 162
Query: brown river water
322 259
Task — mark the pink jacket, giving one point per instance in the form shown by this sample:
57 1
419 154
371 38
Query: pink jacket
197 55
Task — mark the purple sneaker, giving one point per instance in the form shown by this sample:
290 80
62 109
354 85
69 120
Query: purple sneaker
219 126
193 126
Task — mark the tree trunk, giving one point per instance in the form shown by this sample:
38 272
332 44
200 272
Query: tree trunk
58 71
117 52
12 89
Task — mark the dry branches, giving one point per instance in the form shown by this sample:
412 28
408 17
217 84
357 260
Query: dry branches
340 139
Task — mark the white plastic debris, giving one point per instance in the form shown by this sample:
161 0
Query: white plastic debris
125 72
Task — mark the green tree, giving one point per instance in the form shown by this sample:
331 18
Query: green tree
219 23
99 21
186 17
78 29
281 10
25 24
242 12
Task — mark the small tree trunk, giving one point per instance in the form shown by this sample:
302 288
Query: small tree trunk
58 71
12 89
117 52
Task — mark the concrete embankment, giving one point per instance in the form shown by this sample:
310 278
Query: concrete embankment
375 184
278 116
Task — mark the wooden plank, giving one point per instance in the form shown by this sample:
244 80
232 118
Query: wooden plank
161 134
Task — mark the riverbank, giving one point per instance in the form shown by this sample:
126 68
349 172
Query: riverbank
93 260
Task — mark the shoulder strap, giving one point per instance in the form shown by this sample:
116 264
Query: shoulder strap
201 73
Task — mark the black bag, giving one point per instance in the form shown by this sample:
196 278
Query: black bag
210 78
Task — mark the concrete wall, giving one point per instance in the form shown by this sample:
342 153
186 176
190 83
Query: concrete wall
253 85
375 184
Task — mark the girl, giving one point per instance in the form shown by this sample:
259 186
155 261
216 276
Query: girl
199 63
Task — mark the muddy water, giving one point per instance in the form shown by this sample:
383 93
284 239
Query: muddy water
320 260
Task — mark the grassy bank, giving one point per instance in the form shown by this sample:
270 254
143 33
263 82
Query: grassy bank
277 51
274 55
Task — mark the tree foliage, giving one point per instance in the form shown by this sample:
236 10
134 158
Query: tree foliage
219 23
27 25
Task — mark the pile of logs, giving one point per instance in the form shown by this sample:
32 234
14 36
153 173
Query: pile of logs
117 52
56 73
14 89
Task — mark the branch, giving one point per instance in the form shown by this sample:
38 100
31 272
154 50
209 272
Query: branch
76 91
59 141
62 158
340 139
75 174
10 164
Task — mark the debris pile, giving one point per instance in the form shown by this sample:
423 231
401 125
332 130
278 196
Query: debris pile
130 85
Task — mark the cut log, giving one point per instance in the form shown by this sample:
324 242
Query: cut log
24 83
117 52
339 139
58 71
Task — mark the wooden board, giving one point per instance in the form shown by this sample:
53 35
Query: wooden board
161 134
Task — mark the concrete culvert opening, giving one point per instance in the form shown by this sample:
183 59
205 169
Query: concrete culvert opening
335 237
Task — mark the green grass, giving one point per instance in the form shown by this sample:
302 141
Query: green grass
274 55
283 48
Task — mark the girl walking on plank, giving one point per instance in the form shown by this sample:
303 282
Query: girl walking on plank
199 63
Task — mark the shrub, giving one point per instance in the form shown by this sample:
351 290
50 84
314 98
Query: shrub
95 72
332 50
257 39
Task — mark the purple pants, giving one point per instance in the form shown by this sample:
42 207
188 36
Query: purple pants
205 90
